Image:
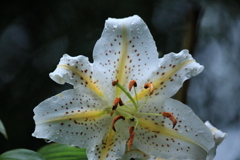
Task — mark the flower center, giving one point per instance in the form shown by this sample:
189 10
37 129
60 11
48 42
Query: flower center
130 113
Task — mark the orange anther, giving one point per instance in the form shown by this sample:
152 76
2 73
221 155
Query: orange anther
171 117
131 84
115 104
131 137
150 86
115 120
114 83
120 102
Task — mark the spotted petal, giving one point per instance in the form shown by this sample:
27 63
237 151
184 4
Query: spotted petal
173 69
190 139
125 51
136 154
111 147
72 117
76 71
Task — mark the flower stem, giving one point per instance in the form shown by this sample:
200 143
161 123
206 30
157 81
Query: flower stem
143 105
152 114
136 95
128 94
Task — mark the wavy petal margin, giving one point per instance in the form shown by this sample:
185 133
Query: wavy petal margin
73 118
190 139
125 51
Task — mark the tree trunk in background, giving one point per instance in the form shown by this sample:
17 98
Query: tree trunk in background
189 42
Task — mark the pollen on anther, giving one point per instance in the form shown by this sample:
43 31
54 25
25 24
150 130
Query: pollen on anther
115 120
131 84
114 82
150 86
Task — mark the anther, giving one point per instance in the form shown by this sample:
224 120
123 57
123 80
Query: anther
131 84
115 104
171 117
114 83
150 86
120 102
115 120
131 137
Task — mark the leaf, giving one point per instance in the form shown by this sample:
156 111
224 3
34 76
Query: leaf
2 130
21 154
57 151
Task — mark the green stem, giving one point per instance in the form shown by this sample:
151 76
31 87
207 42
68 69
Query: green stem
136 122
143 105
136 95
128 94
123 112
128 108
152 114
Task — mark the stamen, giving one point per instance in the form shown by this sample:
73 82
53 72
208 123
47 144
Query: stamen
171 117
115 104
115 120
120 102
131 137
114 83
150 86
144 104
131 84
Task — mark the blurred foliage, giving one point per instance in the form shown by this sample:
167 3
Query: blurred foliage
57 151
21 154
52 151
2 130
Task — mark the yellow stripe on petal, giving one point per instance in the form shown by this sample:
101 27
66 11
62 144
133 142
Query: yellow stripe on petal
121 75
108 144
161 130
163 79
90 84
170 73
89 115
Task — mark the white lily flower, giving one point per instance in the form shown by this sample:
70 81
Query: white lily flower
101 115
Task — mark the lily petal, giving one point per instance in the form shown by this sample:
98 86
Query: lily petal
76 71
126 51
190 139
112 147
173 69
218 135
136 154
72 117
